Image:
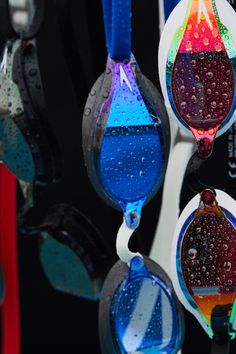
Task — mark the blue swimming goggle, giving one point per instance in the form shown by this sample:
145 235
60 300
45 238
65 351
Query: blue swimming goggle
126 145
125 126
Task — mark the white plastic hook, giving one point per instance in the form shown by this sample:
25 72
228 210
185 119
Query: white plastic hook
122 243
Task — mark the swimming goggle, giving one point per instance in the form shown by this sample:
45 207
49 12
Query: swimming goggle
197 68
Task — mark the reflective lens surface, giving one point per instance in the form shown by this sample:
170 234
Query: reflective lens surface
144 314
206 263
201 73
129 136
14 150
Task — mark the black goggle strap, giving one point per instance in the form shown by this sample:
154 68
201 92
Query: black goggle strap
27 74
217 348
192 170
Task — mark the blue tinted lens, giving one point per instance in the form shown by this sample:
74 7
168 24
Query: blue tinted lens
66 272
14 149
15 153
144 314
131 156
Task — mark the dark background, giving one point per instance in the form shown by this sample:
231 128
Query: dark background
72 54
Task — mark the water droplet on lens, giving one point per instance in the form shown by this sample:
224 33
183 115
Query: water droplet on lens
213 104
227 266
194 99
201 55
209 74
218 46
32 72
192 253
214 32
188 46
105 94
87 112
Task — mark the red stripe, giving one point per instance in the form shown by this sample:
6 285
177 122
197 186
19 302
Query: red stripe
9 260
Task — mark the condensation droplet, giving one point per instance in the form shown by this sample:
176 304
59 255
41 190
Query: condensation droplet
205 41
194 99
211 131
202 55
213 104
218 46
227 266
215 32
192 253
225 247
188 46
87 112
209 74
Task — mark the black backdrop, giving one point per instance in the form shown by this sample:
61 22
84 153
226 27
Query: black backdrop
72 54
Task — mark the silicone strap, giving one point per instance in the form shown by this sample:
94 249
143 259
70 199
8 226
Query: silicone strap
232 3
117 23
220 349
7 30
192 170
163 239
122 244
8 256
